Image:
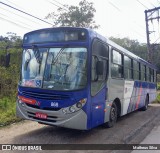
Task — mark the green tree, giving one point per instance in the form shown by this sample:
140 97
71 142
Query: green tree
11 41
156 56
133 46
75 16
14 40
9 75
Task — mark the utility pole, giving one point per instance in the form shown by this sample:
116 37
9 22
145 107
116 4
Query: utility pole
150 16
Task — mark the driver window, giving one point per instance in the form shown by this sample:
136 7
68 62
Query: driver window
99 67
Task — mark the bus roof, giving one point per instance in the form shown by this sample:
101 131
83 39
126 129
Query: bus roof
93 34
120 48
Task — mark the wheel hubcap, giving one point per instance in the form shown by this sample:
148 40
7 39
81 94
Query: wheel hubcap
113 113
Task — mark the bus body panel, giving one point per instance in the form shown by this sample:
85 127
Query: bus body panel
115 90
45 97
98 107
140 91
77 120
130 93
55 116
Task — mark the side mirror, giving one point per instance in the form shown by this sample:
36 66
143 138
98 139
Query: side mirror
99 68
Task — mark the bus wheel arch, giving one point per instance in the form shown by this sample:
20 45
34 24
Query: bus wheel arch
118 103
115 111
145 107
148 97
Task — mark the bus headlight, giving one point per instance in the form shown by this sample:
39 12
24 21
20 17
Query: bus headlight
79 105
74 108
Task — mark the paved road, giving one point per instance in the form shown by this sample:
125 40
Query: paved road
152 138
132 128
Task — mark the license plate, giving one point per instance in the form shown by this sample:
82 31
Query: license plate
41 115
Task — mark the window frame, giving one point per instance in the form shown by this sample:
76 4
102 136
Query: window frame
119 65
138 71
127 67
143 71
100 82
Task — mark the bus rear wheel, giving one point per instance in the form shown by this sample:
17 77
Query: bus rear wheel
146 104
113 116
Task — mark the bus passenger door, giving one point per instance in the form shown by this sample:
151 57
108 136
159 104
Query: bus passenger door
98 106
99 73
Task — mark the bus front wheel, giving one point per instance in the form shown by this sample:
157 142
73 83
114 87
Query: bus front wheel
113 116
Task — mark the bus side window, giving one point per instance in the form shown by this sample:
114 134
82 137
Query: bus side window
155 76
143 72
147 74
128 68
117 67
136 67
152 75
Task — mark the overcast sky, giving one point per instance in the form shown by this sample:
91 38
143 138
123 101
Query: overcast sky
118 18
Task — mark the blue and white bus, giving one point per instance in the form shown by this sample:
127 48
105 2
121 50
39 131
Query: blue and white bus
76 78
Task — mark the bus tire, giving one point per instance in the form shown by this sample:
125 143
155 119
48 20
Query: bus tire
113 116
146 104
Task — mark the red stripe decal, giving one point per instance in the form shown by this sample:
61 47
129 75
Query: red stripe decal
27 100
139 97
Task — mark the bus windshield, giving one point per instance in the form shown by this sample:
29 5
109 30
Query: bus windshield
54 68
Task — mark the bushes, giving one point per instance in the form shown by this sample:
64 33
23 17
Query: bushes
158 97
8 89
9 76
8 111
158 86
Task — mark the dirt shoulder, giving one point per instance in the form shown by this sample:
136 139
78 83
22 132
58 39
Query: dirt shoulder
8 133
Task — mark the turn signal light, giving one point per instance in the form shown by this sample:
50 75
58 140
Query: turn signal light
27 100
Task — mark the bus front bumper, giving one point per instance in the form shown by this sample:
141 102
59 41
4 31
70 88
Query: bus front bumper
76 120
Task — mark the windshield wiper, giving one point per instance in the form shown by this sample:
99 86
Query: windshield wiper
28 58
36 53
59 53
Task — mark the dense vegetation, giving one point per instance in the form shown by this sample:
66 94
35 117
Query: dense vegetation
132 45
9 77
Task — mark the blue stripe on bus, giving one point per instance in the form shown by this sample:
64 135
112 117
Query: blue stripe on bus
45 97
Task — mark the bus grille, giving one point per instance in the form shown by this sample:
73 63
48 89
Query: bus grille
49 118
46 96
44 108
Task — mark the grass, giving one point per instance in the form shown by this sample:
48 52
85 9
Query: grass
158 97
8 111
